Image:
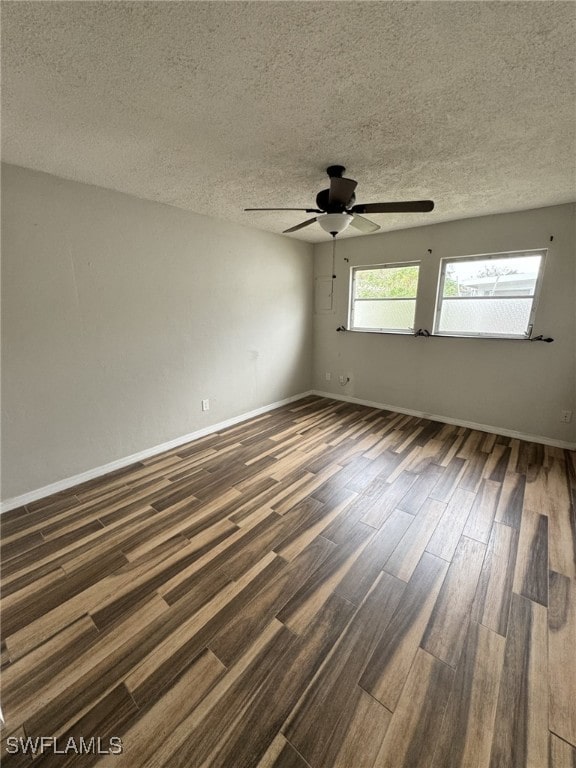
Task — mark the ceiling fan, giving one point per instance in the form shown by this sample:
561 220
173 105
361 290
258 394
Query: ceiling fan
337 207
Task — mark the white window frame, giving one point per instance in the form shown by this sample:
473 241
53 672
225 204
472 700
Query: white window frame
440 298
352 300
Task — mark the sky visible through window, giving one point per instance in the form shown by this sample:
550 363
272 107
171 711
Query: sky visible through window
464 270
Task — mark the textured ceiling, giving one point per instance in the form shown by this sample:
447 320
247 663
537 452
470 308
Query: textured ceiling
217 106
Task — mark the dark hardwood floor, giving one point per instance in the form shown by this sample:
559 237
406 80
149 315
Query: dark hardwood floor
326 585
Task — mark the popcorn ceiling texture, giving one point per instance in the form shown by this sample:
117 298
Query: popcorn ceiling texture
217 106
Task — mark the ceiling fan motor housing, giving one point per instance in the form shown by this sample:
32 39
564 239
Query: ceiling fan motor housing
322 202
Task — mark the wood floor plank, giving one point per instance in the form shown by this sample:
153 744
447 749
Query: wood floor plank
10 753
499 467
495 463
23 612
109 510
304 516
69 552
514 455
204 568
521 726
510 503
108 718
454 442
5 659
141 740
414 455
228 697
492 603
420 490
301 609
449 480
295 491
237 636
562 754
531 572
122 587
250 738
559 503
360 743
444 540
561 651
472 445
288 758
379 469
405 444
273 752
28 674
299 539
547 486
52 551
479 523
407 553
388 667
51 709
20 545
343 479
474 472
413 731
446 630
467 730
64 499
324 714
365 570
154 671
389 498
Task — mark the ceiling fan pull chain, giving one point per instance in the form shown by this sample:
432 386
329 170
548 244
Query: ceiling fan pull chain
333 256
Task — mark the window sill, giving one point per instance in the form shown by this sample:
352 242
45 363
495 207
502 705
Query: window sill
380 332
444 335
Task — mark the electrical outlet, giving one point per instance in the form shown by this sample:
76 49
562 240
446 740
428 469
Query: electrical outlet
328 376
566 417
206 405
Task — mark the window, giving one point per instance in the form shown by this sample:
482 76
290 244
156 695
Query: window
492 295
383 298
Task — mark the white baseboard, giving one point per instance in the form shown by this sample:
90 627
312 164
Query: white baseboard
448 420
70 482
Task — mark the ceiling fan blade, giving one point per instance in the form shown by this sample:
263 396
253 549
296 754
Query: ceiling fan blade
410 206
364 225
300 226
306 210
341 190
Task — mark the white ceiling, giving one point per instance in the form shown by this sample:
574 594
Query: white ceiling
218 106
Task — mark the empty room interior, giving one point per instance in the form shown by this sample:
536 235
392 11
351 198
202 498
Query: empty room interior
288 384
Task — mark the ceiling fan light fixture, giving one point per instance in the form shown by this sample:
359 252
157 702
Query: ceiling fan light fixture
334 223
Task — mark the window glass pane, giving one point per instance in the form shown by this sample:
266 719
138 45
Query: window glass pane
384 298
501 316
392 315
387 283
506 276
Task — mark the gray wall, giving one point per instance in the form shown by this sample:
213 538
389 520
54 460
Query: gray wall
120 315
513 385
